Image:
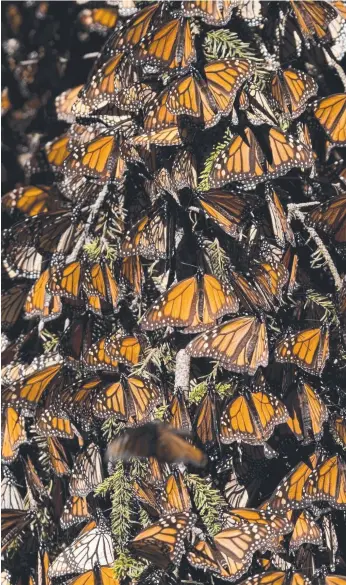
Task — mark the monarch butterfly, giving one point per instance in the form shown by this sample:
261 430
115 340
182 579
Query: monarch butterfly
328 483
103 159
163 542
313 18
239 541
184 170
91 548
96 280
30 389
30 200
264 290
135 30
5 102
307 413
57 458
99 19
253 419
13 434
305 531
150 236
206 421
114 75
53 421
210 99
178 414
132 272
101 575
175 495
337 427
331 217
171 45
211 12
76 510
281 229
158 472
33 480
308 349
331 114
237 492
330 539
108 351
277 578
145 494
291 89
289 493
156 440
334 580
57 151
64 104
194 304
87 471
13 523
132 396
22 261
241 344
12 302
258 106
11 498
40 303
207 557
243 159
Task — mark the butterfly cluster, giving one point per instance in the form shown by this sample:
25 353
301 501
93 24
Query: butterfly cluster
174 292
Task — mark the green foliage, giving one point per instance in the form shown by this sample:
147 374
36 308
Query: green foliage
208 164
197 392
161 357
50 341
160 412
222 43
327 304
121 495
111 428
220 261
126 566
208 501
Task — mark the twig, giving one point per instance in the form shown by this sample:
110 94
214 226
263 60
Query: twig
294 211
94 209
182 372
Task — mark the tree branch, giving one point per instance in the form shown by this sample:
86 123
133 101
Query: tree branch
182 372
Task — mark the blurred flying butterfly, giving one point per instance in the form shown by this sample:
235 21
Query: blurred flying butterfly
308 349
252 419
291 89
194 304
210 98
307 413
156 440
243 159
241 345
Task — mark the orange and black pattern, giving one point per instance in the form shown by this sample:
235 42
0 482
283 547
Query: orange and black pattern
173 292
